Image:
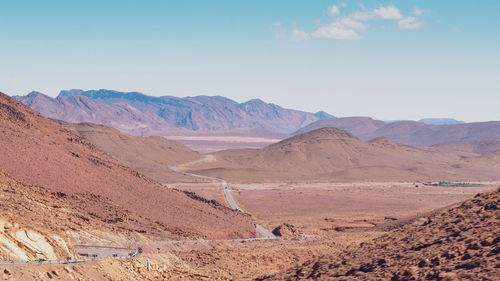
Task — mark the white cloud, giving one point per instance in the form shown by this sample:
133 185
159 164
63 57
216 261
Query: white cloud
389 12
332 11
342 4
342 29
336 33
410 23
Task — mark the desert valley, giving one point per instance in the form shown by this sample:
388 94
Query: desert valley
80 199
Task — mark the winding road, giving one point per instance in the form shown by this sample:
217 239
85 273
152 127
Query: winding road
266 234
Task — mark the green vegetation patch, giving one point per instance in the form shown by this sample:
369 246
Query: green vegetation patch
457 184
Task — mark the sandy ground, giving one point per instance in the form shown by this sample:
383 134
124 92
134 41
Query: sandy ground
324 208
320 208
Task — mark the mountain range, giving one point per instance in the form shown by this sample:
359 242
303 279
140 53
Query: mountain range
139 114
410 132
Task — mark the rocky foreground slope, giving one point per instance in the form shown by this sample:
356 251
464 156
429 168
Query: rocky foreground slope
40 152
461 243
36 223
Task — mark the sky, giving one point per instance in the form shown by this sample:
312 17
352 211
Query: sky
391 60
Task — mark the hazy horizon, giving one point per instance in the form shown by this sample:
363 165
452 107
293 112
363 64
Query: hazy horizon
389 60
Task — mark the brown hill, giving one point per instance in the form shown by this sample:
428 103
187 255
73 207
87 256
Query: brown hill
411 132
332 154
152 156
461 243
39 151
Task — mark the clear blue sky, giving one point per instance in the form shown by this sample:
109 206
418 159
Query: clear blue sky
385 59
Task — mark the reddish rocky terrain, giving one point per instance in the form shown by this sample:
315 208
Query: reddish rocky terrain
29 208
460 243
40 152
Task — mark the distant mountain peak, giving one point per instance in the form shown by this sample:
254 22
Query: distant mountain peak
34 93
256 101
323 115
70 93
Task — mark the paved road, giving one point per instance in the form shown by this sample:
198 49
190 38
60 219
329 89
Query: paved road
227 192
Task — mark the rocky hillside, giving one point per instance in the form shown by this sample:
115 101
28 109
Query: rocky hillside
152 156
461 243
40 152
139 114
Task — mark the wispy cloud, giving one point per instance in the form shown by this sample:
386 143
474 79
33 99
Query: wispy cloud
418 12
389 12
332 11
343 29
410 23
